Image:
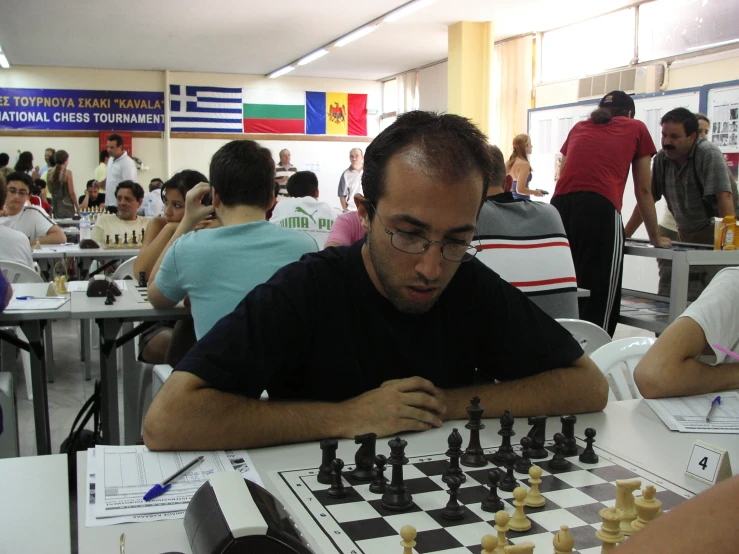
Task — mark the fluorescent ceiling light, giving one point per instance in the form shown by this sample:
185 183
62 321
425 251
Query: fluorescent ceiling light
281 72
4 62
407 9
714 45
314 56
354 35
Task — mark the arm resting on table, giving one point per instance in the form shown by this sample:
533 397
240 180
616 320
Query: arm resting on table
669 367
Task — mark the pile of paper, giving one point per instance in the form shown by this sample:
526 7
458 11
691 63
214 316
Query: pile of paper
118 477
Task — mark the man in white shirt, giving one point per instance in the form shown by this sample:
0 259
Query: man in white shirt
283 171
303 211
120 168
124 222
351 180
685 359
32 222
14 245
49 153
153 204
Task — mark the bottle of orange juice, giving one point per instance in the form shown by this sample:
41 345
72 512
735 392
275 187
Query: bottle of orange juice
728 233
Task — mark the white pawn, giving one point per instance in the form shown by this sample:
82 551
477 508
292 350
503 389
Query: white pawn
519 521
534 499
489 544
563 541
520 548
501 526
408 534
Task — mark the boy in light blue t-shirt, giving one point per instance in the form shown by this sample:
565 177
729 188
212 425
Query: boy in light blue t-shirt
218 267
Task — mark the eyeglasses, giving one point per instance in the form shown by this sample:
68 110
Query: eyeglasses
416 244
19 192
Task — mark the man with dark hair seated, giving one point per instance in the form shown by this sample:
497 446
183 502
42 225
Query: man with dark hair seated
26 218
394 333
93 197
302 210
124 222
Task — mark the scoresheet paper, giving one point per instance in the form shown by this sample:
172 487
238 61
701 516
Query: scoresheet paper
687 414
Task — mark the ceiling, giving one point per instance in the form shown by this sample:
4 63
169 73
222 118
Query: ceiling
246 37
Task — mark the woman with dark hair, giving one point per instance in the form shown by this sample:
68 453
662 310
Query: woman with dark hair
596 158
519 168
61 185
155 343
25 165
38 195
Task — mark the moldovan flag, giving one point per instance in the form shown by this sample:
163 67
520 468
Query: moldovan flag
335 113
274 111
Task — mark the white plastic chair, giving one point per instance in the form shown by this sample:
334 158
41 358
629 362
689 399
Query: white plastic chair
19 273
125 270
617 361
9 447
589 335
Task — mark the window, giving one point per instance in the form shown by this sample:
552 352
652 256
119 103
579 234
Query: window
390 96
589 47
673 27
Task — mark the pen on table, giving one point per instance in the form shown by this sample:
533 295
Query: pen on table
40 297
716 402
158 490
726 351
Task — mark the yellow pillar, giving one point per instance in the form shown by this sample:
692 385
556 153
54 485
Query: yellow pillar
470 64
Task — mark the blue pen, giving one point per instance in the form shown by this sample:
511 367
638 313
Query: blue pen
164 486
714 404
40 297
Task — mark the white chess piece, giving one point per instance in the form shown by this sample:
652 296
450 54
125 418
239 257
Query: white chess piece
489 544
519 521
647 508
534 499
610 532
408 534
563 541
501 526
520 548
625 503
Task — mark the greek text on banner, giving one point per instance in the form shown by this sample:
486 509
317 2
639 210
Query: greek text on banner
81 110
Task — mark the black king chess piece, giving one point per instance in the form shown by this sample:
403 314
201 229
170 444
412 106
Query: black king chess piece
523 464
379 485
473 455
537 434
328 454
454 453
396 497
568 431
589 456
506 431
364 459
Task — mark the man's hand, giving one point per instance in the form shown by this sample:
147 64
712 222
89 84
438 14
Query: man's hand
663 242
538 193
412 404
195 211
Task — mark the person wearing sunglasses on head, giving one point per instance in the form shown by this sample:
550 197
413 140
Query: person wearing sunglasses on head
393 333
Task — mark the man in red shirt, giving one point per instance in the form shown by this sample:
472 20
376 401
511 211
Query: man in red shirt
589 195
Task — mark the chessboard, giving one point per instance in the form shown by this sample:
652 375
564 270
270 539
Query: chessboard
141 294
358 524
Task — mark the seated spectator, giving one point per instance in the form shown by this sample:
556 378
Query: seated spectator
302 210
93 197
347 230
124 222
684 360
526 244
38 196
217 267
15 245
409 315
6 294
27 219
154 343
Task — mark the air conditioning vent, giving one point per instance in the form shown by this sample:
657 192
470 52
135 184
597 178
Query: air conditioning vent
597 86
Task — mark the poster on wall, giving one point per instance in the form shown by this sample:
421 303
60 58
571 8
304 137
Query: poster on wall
80 110
723 111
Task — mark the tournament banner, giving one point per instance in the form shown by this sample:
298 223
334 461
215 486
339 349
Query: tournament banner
81 110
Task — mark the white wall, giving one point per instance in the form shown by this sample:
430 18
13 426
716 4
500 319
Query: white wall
332 157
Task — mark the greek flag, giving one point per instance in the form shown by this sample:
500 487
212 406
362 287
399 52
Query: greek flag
195 109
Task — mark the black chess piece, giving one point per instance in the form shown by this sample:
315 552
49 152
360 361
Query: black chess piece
453 511
506 431
125 238
142 278
364 459
337 489
523 464
133 237
117 239
396 497
454 453
559 462
109 295
509 480
589 456
379 485
328 454
568 431
142 236
473 455
492 502
537 434
107 240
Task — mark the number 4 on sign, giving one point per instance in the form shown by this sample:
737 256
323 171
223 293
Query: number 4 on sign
708 463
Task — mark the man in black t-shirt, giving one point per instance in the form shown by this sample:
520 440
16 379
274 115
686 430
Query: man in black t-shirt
93 197
394 333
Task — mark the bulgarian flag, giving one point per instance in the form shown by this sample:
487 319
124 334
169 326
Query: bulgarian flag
336 113
274 111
